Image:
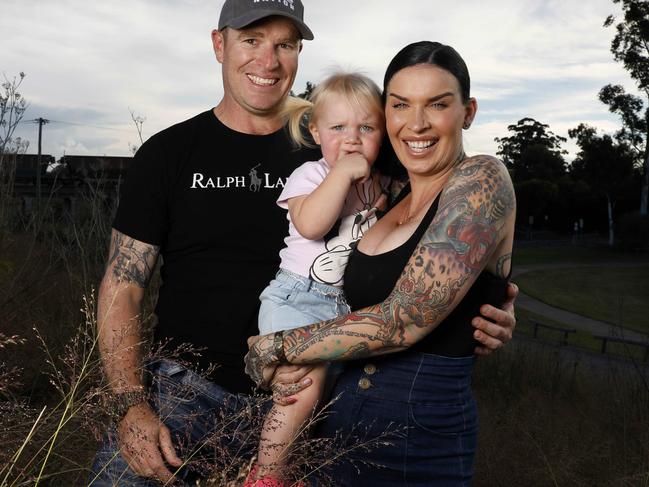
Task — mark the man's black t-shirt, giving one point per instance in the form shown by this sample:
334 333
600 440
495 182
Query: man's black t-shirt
206 195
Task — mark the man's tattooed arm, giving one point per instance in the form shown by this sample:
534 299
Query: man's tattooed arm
476 210
129 269
131 261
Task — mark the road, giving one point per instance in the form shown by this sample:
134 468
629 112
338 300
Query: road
579 322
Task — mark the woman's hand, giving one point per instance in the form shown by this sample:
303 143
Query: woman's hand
261 360
498 329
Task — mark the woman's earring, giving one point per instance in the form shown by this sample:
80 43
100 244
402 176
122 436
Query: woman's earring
466 125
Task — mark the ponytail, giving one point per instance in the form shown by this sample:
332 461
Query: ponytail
294 111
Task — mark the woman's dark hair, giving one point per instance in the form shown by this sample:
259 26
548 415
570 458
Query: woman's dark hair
436 54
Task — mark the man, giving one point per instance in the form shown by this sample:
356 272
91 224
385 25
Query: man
202 194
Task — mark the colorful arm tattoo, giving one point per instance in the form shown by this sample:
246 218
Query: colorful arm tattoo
474 207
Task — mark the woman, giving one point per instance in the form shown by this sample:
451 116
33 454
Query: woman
442 250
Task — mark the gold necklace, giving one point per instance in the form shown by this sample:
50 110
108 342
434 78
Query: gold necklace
407 217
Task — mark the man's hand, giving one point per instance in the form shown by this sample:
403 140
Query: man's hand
288 381
145 443
498 329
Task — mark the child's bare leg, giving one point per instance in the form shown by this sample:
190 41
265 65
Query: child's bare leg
284 423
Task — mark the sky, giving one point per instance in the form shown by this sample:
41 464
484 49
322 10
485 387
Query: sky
89 64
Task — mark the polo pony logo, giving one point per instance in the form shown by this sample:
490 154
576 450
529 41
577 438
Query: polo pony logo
255 181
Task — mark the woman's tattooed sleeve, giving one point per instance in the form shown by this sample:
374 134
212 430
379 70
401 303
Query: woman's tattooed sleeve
474 208
131 261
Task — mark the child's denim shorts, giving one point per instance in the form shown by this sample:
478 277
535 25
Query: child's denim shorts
291 301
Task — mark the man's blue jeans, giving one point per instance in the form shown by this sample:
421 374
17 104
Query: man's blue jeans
208 425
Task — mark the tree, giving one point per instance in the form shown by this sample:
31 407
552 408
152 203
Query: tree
532 152
533 198
630 46
307 91
138 120
604 163
12 109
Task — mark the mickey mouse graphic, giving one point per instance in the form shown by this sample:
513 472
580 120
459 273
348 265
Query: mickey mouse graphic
329 267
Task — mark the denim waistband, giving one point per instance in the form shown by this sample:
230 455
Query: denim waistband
308 284
414 377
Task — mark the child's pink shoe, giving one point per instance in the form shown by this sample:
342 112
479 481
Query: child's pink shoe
267 480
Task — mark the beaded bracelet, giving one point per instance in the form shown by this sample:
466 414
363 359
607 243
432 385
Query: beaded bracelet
278 347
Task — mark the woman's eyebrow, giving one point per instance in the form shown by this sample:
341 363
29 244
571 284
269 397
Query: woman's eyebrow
430 100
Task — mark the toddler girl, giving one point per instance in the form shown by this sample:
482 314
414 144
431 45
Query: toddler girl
330 203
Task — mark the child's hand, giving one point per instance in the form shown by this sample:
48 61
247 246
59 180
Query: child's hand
355 166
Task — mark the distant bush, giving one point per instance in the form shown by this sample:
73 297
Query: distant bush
633 231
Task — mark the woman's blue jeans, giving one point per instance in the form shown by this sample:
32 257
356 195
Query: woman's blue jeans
428 400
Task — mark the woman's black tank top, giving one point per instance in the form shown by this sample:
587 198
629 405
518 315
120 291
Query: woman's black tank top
369 279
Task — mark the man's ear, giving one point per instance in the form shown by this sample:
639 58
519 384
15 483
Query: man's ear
218 43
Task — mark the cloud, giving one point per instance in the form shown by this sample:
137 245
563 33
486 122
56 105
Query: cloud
88 63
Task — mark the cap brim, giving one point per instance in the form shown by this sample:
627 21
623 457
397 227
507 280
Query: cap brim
255 15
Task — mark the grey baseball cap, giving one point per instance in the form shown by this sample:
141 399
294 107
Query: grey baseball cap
240 13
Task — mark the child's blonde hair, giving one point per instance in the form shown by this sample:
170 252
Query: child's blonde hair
358 89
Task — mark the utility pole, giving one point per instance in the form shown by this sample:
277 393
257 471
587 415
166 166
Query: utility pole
40 121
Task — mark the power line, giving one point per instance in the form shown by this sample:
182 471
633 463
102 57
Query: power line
101 127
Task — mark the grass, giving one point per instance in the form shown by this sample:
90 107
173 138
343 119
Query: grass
546 419
616 295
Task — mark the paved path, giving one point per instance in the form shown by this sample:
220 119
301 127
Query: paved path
574 320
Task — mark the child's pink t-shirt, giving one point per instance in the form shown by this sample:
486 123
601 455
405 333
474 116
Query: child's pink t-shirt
324 260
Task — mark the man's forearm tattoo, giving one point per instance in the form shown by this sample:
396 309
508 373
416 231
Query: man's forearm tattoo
132 261
474 207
